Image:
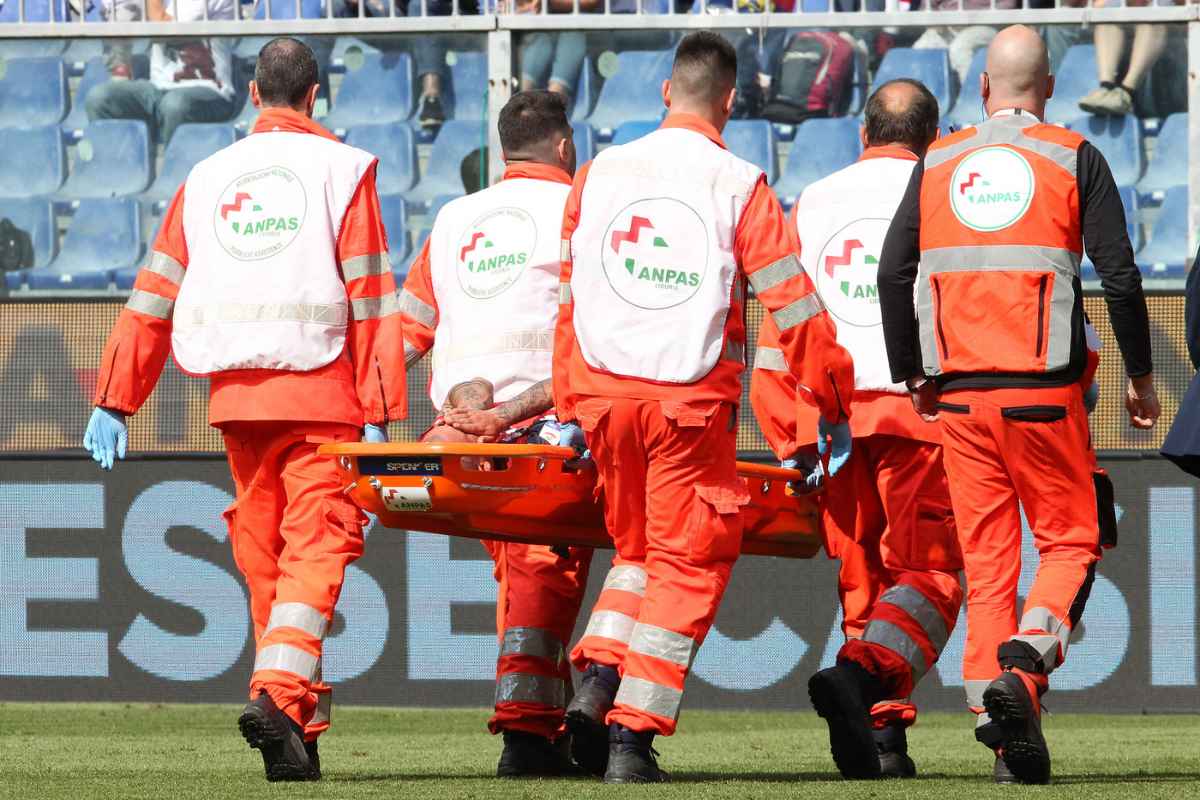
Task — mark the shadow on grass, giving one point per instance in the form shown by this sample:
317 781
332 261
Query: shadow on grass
1130 777
769 777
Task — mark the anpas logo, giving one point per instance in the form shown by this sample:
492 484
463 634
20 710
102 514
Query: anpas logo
991 188
847 272
494 250
260 213
655 253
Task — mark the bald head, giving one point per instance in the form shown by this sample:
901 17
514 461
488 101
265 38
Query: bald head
901 112
1018 71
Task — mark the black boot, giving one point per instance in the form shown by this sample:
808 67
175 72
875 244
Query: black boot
1001 774
892 744
314 760
585 717
278 738
527 755
843 696
631 758
1017 712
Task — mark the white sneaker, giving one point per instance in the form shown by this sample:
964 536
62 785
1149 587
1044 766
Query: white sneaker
1114 102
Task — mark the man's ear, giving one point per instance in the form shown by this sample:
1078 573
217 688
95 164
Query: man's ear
730 99
985 86
1049 86
254 98
862 135
666 92
310 101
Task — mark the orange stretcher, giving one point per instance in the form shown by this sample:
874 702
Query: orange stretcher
527 493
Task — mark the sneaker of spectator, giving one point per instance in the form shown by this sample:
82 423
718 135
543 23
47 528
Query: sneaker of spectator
1115 93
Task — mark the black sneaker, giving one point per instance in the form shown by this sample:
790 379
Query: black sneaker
1001 774
631 759
892 744
585 717
278 738
431 115
527 755
843 696
314 760
1017 712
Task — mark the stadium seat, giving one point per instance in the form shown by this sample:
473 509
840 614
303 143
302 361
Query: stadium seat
585 142
35 11
754 141
379 91
931 67
247 47
467 92
435 206
35 217
585 91
1168 166
286 9
633 91
821 147
79 52
346 50
34 162
443 170
968 106
105 234
395 222
1166 255
396 148
192 143
95 72
113 160
1119 139
626 132
1075 77
124 277
245 118
1129 199
401 270
33 92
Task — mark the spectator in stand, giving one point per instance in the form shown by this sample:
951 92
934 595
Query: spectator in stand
429 55
1115 93
191 80
962 42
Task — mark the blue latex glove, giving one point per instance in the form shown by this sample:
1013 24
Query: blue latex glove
838 445
106 437
374 434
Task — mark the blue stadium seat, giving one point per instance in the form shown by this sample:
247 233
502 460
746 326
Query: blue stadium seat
348 48
931 67
466 95
1166 255
968 106
1119 139
754 141
435 206
585 91
35 217
247 47
379 91
1129 199
245 118
1075 77
633 91
395 222
80 51
124 277
105 234
286 9
192 143
119 162
443 170
1168 167
822 147
34 161
396 148
626 132
33 92
94 73
35 11
585 142
401 270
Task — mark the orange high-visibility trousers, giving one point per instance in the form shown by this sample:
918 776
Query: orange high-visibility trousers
1008 449
541 590
293 534
672 503
887 516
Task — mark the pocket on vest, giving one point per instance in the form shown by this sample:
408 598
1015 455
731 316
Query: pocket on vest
992 321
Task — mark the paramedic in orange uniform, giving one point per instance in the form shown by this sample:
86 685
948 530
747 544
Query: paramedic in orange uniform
887 515
659 238
270 276
991 232
483 296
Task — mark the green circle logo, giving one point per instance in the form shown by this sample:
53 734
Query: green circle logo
991 189
494 251
260 213
655 253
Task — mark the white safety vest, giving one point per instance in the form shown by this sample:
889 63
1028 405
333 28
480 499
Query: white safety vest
842 221
262 289
653 262
494 264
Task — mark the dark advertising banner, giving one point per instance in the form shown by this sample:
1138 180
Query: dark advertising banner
121 586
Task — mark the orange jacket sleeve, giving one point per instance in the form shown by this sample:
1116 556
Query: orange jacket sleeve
564 330
374 335
418 306
140 342
773 393
767 249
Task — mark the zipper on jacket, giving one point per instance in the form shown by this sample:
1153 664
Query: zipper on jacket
1041 318
937 291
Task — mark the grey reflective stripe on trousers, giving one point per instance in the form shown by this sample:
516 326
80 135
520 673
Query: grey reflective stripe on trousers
775 273
522 687
895 639
417 308
734 351
798 312
285 658
770 358
536 642
297 615
411 355
375 307
324 707
626 578
909 600
365 266
316 313
1047 646
610 625
162 264
564 294
651 640
974 690
1040 619
650 697
1005 130
149 303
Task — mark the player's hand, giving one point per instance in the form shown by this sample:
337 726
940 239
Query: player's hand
477 423
924 395
374 434
838 434
1141 401
810 467
106 437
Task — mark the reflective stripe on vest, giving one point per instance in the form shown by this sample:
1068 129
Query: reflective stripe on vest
770 358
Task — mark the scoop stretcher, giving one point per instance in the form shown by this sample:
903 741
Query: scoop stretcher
530 494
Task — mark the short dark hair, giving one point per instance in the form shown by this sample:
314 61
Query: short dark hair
530 118
705 66
473 170
285 72
913 123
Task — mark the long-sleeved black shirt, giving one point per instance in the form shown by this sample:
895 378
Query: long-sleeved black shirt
1106 241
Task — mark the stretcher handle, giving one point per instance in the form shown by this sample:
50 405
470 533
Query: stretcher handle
768 472
488 450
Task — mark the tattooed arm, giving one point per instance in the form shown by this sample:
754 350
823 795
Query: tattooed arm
494 421
472 395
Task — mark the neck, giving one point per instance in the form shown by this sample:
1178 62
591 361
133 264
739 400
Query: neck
1027 104
707 114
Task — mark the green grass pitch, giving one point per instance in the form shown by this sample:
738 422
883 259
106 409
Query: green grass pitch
177 752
